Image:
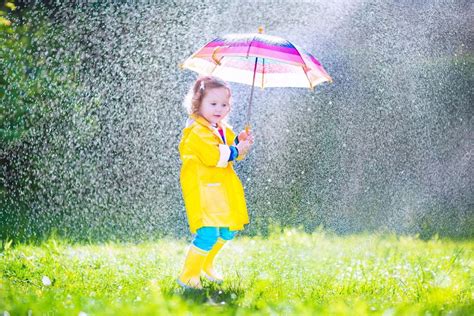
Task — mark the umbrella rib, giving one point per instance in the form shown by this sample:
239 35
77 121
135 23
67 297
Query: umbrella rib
250 45
215 66
310 83
195 54
304 64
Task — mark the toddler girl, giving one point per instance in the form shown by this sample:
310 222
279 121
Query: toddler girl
212 192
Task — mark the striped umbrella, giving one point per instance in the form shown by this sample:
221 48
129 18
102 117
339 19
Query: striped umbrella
257 59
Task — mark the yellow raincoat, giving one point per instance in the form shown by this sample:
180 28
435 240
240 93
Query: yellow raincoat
212 192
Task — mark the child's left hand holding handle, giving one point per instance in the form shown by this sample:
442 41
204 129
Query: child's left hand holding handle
246 135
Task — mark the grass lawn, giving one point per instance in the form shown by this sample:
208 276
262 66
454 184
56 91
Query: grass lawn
287 273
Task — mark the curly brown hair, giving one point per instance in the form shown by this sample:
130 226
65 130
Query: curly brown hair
198 90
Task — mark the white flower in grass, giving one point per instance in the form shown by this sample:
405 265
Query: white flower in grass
46 281
82 314
5 313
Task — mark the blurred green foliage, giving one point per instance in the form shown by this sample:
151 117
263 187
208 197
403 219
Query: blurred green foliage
31 80
38 95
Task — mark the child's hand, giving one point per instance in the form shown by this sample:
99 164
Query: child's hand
243 135
245 145
250 137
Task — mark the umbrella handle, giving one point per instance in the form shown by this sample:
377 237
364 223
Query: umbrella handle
247 128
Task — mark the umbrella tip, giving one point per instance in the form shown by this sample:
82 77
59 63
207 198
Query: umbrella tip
260 29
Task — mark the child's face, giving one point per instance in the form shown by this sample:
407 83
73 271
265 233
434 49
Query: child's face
215 104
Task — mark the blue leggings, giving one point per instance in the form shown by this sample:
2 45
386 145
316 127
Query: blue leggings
207 236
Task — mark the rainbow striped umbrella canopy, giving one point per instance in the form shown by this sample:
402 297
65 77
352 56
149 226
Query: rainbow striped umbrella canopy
276 61
259 60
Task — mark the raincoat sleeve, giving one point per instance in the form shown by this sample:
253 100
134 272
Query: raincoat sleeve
234 152
208 150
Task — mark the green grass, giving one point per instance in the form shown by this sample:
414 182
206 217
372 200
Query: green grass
289 272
